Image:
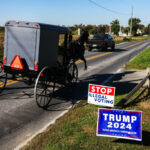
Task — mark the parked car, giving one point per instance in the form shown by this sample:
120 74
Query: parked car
101 41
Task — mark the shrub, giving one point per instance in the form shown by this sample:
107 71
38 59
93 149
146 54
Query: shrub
126 39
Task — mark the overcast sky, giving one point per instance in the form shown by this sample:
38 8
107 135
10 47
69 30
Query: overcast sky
70 12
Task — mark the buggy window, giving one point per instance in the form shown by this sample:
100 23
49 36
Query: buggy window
61 40
61 49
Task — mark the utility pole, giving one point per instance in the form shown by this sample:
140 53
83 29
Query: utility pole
79 31
131 20
110 29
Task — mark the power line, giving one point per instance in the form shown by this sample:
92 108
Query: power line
113 11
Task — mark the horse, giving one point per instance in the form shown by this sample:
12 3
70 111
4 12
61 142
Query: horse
76 48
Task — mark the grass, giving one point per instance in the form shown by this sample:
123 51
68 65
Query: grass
76 130
132 39
142 61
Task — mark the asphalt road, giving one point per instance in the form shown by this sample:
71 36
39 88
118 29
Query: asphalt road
21 118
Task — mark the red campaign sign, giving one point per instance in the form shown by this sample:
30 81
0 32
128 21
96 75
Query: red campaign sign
104 90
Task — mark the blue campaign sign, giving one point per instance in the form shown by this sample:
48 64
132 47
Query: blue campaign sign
119 123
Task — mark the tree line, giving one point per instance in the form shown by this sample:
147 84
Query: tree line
115 27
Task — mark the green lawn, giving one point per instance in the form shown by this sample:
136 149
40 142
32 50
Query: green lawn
142 61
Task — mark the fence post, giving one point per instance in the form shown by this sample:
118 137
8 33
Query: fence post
148 80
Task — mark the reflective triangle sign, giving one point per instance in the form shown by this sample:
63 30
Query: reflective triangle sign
17 63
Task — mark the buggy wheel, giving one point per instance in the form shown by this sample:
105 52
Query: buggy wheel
44 88
72 73
3 81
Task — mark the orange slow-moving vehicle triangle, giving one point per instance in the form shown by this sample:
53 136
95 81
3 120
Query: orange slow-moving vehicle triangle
17 63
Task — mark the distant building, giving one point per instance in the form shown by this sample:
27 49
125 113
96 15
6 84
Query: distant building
139 32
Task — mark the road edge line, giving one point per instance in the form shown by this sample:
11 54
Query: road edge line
42 129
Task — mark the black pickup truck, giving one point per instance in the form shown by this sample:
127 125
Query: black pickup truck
101 41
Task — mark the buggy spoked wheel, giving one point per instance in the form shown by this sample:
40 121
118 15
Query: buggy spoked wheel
44 88
72 73
3 80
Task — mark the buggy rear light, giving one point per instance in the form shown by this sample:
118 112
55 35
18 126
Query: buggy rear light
4 60
42 74
2 66
8 22
35 66
36 25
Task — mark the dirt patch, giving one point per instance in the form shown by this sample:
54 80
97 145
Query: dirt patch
88 129
71 141
145 105
117 38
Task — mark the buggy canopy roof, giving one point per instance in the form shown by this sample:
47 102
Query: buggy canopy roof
25 24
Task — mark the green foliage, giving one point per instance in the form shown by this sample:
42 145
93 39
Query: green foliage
147 30
101 29
135 25
126 39
115 26
125 30
142 61
92 29
1 29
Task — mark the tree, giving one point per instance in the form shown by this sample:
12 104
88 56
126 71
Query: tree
147 30
88 27
125 30
93 31
1 29
115 26
101 29
135 25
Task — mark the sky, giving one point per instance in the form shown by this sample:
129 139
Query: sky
71 12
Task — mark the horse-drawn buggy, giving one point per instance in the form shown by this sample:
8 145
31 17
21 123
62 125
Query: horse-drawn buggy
42 54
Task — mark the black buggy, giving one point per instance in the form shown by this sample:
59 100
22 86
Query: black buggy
37 52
